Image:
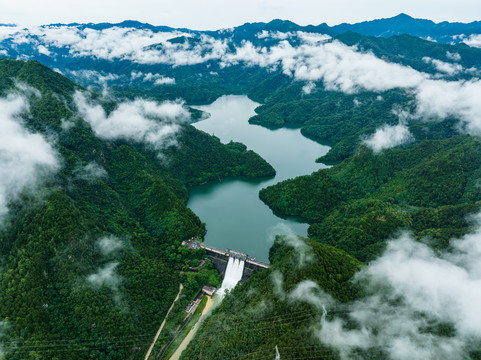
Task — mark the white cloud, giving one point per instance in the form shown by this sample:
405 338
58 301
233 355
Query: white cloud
180 54
4 328
149 77
409 289
90 172
278 284
439 98
453 56
110 244
317 58
158 79
303 251
309 292
263 34
473 40
25 157
93 76
138 120
313 38
7 31
112 43
106 276
406 296
276 35
308 88
43 50
444 67
164 81
306 291
388 136
134 75
340 67
66 125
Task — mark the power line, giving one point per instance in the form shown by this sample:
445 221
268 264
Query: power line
83 342
89 344
86 348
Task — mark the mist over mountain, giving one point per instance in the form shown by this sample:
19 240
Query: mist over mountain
98 156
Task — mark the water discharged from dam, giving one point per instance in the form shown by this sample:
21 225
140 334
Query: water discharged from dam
233 274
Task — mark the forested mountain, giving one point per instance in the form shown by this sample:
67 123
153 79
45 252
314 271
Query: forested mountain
90 244
94 188
444 32
133 55
294 71
253 319
430 188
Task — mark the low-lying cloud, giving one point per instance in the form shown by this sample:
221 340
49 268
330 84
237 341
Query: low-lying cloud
453 56
308 57
415 303
25 157
444 67
308 88
435 100
90 172
473 40
438 99
411 294
110 245
309 292
4 326
93 76
157 79
304 254
164 81
140 120
388 136
106 276
306 291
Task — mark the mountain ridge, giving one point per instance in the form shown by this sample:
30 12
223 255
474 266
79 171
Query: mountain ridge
384 27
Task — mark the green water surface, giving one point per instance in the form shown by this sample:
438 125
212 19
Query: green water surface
235 217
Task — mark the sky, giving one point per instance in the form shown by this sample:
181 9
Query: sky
216 14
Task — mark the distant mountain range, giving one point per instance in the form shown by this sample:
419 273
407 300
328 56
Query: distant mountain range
444 32
405 24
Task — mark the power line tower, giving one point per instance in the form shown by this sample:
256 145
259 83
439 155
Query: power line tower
278 356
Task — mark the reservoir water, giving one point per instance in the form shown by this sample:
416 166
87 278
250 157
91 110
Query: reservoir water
235 217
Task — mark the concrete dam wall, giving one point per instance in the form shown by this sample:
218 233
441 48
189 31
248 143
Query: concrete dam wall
220 258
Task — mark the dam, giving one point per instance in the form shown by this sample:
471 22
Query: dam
234 261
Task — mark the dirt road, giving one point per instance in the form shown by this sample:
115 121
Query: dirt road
163 323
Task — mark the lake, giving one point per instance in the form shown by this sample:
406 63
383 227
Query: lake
234 215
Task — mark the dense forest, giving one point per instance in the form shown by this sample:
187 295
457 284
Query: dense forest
429 187
91 258
257 316
90 248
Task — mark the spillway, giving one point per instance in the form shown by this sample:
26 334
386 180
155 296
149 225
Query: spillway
233 274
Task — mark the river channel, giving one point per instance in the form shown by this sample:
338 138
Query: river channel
235 217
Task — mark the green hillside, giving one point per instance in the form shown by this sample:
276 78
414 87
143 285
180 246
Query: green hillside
91 256
63 295
263 313
429 187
